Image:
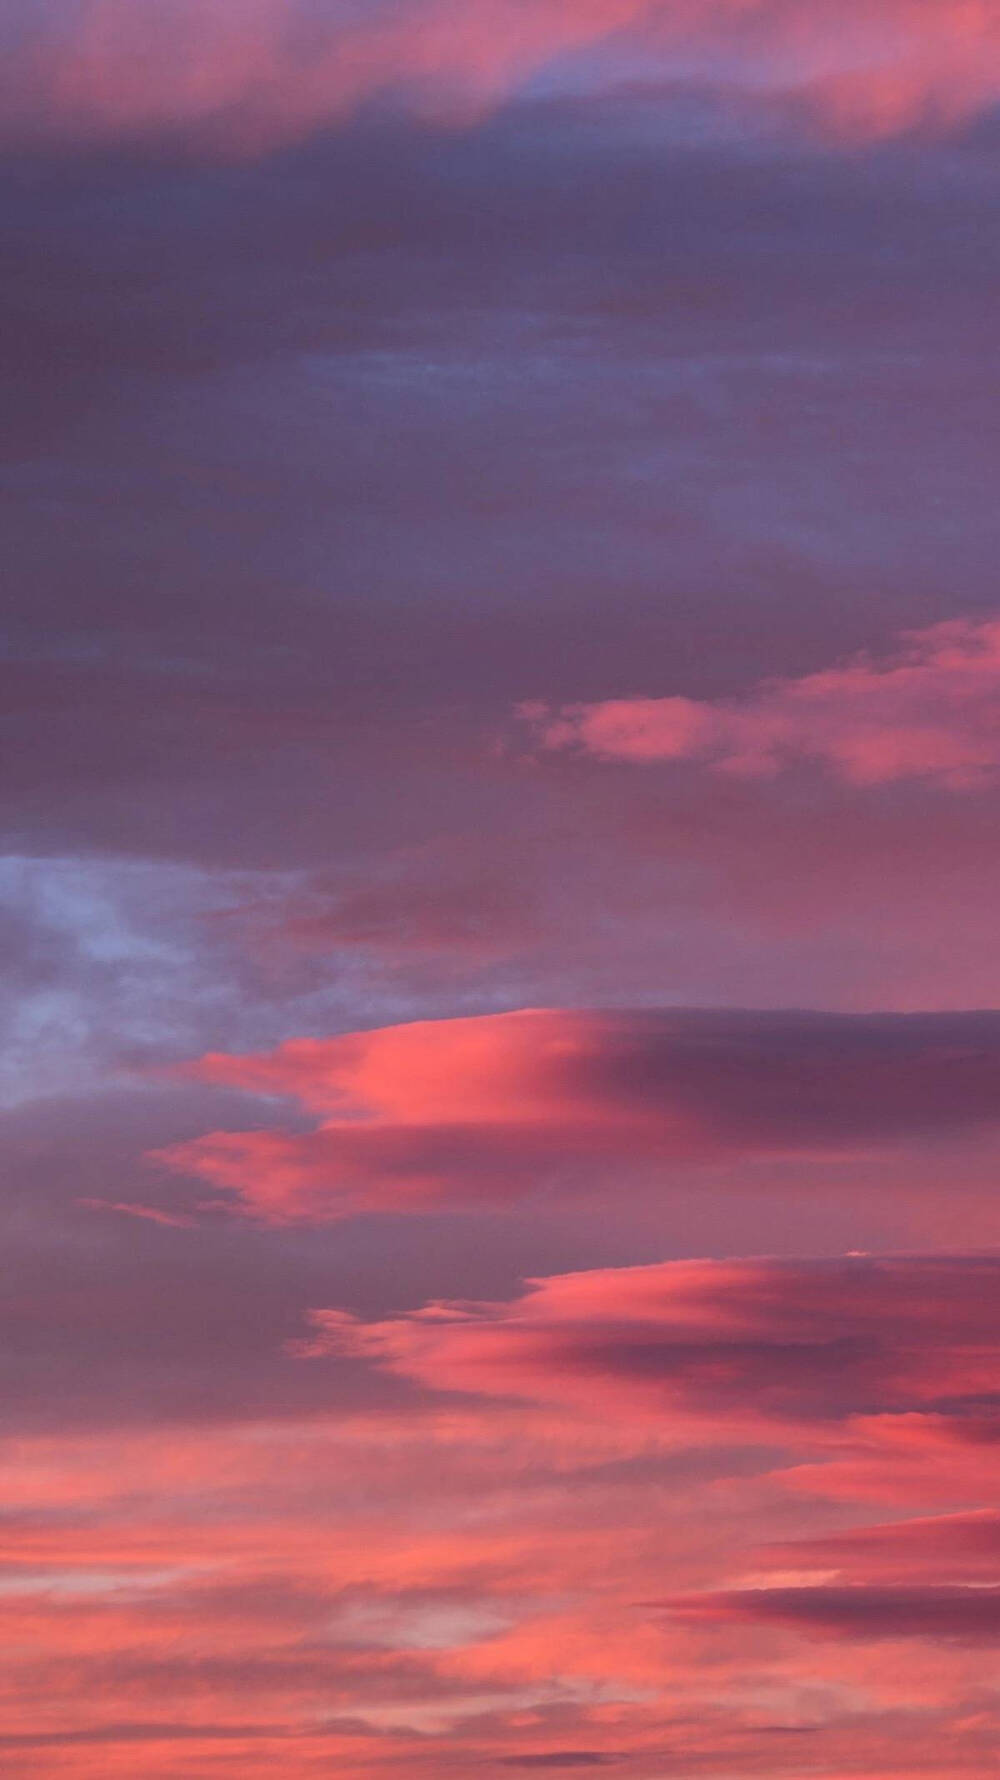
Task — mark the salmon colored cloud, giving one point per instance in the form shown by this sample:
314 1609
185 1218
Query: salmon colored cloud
485 1110
931 712
363 1597
760 1344
914 1459
472 1584
939 1548
256 72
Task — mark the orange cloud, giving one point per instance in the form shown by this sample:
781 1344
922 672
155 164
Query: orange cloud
931 712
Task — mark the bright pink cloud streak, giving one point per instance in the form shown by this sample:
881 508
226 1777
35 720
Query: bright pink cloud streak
484 1110
764 1345
932 712
262 71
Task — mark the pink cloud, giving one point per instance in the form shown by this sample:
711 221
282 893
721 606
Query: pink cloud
938 1548
271 70
911 1458
765 1345
931 712
484 1110
335 1596
471 1583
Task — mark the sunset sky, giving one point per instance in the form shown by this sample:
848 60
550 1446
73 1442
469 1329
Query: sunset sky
501 1034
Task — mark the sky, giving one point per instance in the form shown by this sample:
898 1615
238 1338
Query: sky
500 1067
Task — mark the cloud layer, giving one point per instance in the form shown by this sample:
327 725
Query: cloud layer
598 1526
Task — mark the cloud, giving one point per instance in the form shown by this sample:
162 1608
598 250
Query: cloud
946 1547
313 467
249 75
931 712
320 1590
561 1758
466 1584
768 1345
968 1614
728 505
420 909
482 1110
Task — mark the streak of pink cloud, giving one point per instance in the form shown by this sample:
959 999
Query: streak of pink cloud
931 712
762 1344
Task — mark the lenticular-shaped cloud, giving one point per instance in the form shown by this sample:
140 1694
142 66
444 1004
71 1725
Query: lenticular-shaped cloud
769 1344
271 70
931 712
487 1109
